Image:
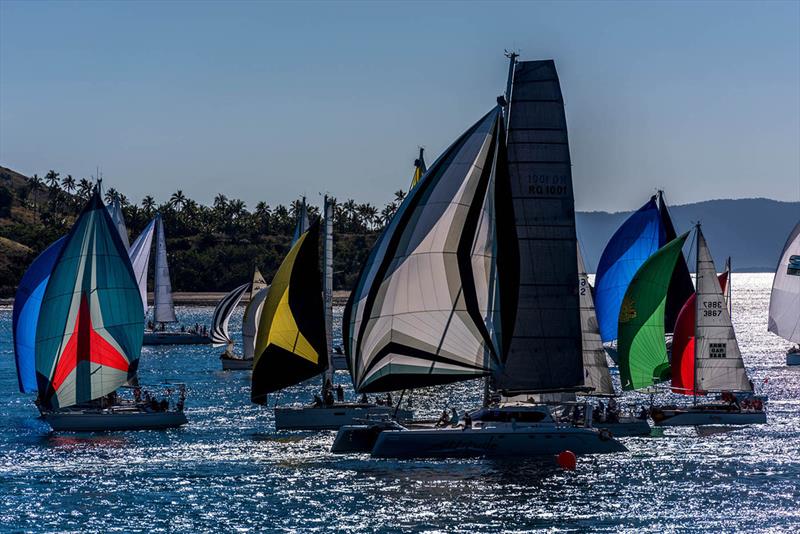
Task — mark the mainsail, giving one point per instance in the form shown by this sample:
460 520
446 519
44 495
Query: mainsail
422 312
27 303
90 327
682 361
718 361
419 168
784 302
252 314
595 364
681 286
164 310
139 254
290 343
222 315
544 351
115 210
641 347
630 246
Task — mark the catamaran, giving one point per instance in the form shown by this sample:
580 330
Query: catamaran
784 301
293 342
465 283
717 364
642 234
78 326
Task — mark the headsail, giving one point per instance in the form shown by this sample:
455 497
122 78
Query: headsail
784 302
595 364
115 210
164 309
630 246
544 351
27 302
302 221
222 315
681 286
421 312
419 168
252 314
290 343
641 346
139 254
718 361
90 327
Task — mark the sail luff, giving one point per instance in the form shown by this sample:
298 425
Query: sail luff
164 309
718 360
784 301
595 365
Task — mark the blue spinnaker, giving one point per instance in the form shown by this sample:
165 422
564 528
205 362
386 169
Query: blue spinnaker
635 241
27 302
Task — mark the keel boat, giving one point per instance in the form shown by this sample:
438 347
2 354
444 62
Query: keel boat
784 301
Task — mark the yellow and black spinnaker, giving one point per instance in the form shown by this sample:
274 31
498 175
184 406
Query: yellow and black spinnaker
290 344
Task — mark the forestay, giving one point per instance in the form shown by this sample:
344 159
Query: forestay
784 302
595 365
222 315
718 361
139 254
164 309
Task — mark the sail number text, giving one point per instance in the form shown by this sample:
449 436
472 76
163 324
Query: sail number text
548 184
712 308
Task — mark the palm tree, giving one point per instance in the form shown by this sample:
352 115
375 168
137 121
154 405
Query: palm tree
52 179
85 188
36 184
178 200
399 196
148 203
68 183
111 195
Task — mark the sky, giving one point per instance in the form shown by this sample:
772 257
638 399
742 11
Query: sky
270 101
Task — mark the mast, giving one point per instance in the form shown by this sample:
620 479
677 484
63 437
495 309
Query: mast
728 288
512 61
327 287
697 306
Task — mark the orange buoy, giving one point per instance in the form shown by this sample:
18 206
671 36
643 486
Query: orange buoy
567 460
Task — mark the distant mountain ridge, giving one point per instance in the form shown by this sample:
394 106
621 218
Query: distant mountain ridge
752 231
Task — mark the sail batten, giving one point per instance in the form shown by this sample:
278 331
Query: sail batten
784 301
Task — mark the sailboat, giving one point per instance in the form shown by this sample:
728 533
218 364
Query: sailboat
784 301
78 327
293 342
163 306
463 284
219 329
641 235
718 365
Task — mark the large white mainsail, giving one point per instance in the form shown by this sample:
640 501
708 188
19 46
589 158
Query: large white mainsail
595 365
164 310
139 254
718 360
784 302
115 210
222 315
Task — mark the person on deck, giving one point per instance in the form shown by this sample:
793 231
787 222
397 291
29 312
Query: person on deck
339 393
443 419
363 399
467 420
453 416
389 399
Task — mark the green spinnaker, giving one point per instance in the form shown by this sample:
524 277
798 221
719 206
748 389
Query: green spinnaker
640 344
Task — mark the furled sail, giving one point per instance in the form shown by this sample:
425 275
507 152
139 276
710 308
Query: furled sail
641 347
164 310
302 221
115 210
718 361
252 314
595 365
90 327
27 302
544 351
290 342
222 315
419 168
682 361
784 302
139 254
630 246
423 310
681 286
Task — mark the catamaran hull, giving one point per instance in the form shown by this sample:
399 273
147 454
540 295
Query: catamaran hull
174 338
236 364
114 421
625 429
331 418
689 418
448 443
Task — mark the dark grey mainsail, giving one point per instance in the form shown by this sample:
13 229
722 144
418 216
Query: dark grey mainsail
545 348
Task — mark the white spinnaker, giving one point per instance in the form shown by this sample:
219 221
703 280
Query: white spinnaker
595 365
139 254
222 315
164 309
718 360
252 316
784 302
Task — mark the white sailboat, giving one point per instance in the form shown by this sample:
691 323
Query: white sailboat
252 314
784 301
464 284
718 364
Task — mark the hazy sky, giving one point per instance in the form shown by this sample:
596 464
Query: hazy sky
268 101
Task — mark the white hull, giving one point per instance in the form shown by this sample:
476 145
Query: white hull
793 357
330 418
174 338
695 418
236 364
493 441
103 421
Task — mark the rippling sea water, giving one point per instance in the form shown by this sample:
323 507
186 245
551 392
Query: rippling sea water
229 470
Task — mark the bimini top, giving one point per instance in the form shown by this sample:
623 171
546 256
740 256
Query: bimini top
90 326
